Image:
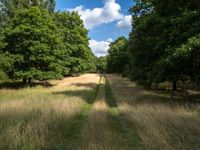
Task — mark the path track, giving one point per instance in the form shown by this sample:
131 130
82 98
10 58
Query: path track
97 133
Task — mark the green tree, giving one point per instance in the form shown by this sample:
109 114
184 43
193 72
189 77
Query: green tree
35 44
5 66
75 38
118 56
160 28
9 8
101 64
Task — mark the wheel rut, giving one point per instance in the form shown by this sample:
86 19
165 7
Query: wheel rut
97 132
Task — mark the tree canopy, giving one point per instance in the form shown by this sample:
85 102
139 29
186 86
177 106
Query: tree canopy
42 44
164 42
118 56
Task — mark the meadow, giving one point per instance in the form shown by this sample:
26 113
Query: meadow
96 112
45 118
160 119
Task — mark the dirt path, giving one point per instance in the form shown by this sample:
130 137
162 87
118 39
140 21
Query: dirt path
97 133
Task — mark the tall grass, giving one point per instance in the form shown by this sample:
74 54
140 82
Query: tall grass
105 128
99 132
160 120
45 118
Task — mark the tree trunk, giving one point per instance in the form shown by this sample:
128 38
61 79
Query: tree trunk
24 80
29 80
174 85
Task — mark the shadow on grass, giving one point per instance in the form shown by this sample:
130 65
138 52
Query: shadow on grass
126 130
180 97
57 131
19 85
87 85
119 123
109 96
88 95
139 96
68 132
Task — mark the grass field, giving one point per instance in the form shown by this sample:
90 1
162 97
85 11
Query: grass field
160 120
91 112
46 118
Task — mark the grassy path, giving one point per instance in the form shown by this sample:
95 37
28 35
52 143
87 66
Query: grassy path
96 133
106 129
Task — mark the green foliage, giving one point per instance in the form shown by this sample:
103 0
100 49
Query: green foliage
101 64
75 39
118 56
183 62
157 37
163 44
35 45
42 44
9 8
5 66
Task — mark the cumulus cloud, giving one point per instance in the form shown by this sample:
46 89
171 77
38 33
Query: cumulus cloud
97 16
110 40
125 22
100 48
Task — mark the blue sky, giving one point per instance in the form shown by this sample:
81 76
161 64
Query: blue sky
106 20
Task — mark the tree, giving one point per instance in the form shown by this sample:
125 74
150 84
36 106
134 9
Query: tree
101 64
9 8
157 34
182 63
35 44
5 66
49 5
162 33
118 56
75 38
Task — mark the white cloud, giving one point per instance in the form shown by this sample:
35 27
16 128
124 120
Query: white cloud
97 16
100 48
125 22
110 40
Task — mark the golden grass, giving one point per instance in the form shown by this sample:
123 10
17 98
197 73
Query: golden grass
36 118
59 117
159 121
99 133
95 134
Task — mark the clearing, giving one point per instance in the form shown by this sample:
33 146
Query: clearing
96 112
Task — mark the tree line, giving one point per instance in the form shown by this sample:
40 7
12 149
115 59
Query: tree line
164 44
38 43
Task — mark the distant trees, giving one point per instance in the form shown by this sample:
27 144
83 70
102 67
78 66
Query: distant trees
164 42
101 64
37 43
118 56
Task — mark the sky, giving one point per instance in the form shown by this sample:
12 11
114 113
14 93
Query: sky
106 20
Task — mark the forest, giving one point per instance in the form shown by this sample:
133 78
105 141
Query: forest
164 44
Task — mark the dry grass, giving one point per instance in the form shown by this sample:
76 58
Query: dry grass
97 133
162 121
36 118
64 117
